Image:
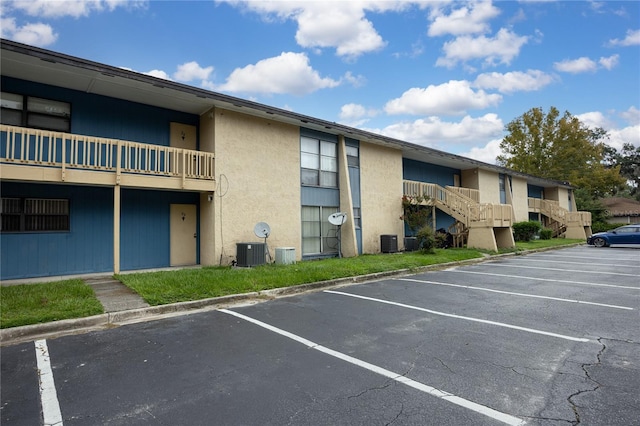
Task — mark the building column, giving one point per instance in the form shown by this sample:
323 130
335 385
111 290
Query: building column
207 229
116 229
348 240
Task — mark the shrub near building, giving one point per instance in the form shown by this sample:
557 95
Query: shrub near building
524 231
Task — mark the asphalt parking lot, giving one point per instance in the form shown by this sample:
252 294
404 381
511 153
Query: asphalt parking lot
548 338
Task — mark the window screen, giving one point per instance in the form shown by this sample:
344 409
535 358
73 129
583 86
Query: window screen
34 215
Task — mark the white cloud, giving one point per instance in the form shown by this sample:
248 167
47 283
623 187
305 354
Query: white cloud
486 154
434 132
576 66
73 8
344 28
158 74
610 62
34 34
41 34
595 119
632 115
338 24
617 136
192 71
186 72
452 98
471 19
288 73
354 80
499 49
516 81
356 115
632 39
584 64
352 111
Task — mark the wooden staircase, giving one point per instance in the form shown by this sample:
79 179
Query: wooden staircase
461 207
472 217
560 220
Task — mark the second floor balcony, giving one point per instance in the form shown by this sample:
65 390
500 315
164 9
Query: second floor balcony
47 156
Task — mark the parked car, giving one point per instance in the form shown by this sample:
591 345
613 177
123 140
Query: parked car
627 234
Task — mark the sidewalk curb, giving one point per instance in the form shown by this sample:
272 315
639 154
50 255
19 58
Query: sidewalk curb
15 335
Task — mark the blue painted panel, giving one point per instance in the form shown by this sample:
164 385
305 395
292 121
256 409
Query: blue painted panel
535 191
427 172
107 117
443 220
86 248
145 227
326 197
354 179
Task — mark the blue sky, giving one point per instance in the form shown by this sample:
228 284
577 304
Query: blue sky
443 74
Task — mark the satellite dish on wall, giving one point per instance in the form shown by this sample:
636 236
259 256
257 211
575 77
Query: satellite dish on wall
338 219
262 230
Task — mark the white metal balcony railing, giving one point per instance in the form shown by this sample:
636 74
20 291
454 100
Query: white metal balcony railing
24 146
461 205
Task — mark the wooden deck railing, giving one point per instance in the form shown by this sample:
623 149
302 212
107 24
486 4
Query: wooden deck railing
471 194
460 206
24 146
554 211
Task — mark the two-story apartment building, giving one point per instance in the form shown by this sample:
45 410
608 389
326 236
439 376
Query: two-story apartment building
108 170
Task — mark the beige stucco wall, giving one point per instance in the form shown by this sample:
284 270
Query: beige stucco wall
489 186
484 181
519 199
258 169
563 198
551 194
381 194
469 179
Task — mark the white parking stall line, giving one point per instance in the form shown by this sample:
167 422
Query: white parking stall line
454 399
564 262
48 396
506 265
564 256
444 314
552 280
511 293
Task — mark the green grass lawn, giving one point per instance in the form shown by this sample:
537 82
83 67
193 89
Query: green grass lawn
539 244
159 288
36 303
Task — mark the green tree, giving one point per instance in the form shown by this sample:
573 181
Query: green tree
628 159
561 148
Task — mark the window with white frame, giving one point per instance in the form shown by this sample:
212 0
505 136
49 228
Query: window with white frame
319 162
38 113
34 215
318 235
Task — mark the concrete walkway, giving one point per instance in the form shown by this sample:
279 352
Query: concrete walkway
114 295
